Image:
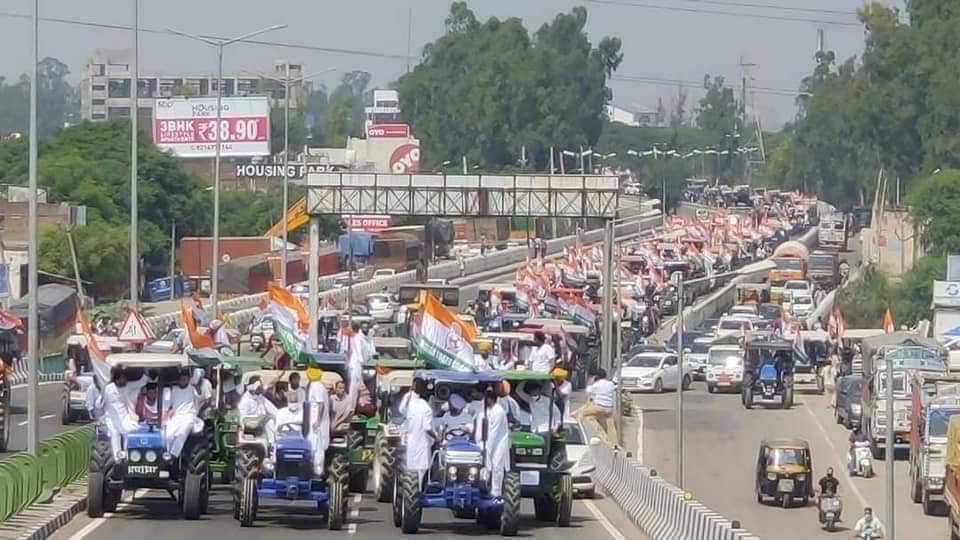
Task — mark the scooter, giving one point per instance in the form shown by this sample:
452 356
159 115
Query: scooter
862 464
830 508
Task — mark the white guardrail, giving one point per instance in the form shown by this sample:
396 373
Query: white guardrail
242 310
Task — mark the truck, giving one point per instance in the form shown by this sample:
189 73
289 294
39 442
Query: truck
936 399
824 269
951 480
791 260
832 233
908 353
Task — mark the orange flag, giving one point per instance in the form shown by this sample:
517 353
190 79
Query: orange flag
197 340
888 325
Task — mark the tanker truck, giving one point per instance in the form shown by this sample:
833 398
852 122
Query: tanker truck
790 259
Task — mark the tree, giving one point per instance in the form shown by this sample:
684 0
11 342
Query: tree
57 101
338 120
297 130
719 112
934 203
185 90
486 89
89 164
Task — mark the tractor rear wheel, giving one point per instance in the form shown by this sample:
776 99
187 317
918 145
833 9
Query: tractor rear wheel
101 465
248 502
412 511
337 505
384 469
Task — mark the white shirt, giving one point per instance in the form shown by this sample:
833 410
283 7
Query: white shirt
448 421
540 409
417 424
180 401
255 406
875 526
602 392
541 359
285 416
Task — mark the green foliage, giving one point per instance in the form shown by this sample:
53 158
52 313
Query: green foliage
934 203
57 101
486 89
337 125
910 298
89 164
719 113
297 131
864 301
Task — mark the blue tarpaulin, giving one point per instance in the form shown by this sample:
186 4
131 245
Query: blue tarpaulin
362 244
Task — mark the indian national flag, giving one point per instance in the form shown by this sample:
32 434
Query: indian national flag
290 320
442 339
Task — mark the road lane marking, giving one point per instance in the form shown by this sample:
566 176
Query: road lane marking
352 528
836 454
95 523
602 519
48 416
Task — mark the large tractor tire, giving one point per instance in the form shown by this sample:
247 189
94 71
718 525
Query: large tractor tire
384 469
337 505
248 502
195 490
748 397
100 499
397 505
246 464
510 519
411 510
358 475
565 502
339 469
67 415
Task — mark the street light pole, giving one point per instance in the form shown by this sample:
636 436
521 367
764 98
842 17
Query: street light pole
134 137
891 510
219 44
33 319
287 80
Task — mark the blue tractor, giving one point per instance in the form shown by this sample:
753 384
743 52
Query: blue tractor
459 478
768 372
143 461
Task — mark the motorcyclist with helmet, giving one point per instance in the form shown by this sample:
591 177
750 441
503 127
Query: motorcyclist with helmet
830 489
856 436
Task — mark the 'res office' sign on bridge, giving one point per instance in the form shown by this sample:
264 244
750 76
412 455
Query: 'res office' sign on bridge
188 126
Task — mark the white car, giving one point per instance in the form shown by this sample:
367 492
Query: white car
801 305
696 356
168 343
654 371
384 273
578 451
381 307
798 286
733 325
724 368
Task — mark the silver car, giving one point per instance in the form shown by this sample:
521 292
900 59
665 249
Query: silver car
696 357
381 307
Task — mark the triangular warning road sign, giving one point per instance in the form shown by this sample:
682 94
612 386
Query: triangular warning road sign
134 329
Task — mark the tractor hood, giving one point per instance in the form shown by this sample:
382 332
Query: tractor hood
522 439
144 440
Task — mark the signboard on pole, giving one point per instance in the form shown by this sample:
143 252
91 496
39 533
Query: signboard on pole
134 329
368 223
188 126
388 131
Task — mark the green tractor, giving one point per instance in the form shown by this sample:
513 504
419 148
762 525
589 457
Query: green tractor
541 458
393 378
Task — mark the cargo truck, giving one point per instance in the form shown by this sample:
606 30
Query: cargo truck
935 400
824 269
908 353
832 233
791 260
951 480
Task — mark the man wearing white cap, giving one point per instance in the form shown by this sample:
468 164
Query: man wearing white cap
455 417
253 405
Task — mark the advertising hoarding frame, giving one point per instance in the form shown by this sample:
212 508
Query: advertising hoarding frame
187 126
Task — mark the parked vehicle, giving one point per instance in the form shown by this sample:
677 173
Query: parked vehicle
935 400
848 409
653 371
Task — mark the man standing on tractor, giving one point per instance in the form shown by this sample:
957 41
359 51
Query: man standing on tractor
543 356
541 407
119 414
180 413
340 405
492 430
297 389
318 413
418 425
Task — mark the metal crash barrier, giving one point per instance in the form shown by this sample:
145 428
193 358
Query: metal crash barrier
26 480
660 509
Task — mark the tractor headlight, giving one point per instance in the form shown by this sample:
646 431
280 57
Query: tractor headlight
472 473
121 455
801 478
452 471
151 456
167 456
537 451
135 455
521 451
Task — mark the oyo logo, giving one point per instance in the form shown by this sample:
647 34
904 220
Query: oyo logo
953 289
405 159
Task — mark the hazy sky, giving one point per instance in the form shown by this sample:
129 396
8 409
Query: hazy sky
663 40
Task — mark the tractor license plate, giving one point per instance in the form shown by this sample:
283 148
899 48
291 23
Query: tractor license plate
142 470
530 478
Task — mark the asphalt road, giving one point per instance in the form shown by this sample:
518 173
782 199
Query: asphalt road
49 400
721 440
368 519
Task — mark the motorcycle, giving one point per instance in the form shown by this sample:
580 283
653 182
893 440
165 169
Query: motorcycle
868 534
830 508
862 460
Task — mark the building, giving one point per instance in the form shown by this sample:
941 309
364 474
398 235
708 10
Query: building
642 117
105 86
385 108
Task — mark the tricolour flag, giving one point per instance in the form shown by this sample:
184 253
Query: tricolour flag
195 339
290 320
442 339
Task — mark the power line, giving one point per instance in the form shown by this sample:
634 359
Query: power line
147 30
795 9
657 81
704 11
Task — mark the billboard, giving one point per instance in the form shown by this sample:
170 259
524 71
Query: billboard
405 159
368 223
388 131
188 126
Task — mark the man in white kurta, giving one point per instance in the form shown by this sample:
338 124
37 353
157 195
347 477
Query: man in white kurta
492 431
119 413
455 417
318 403
253 405
289 419
204 388
418 426
541 408
180 414
543 356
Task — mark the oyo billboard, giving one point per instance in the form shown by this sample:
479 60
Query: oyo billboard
405 159
401 131
188 126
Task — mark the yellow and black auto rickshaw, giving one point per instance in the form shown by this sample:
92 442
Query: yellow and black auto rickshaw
784 472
